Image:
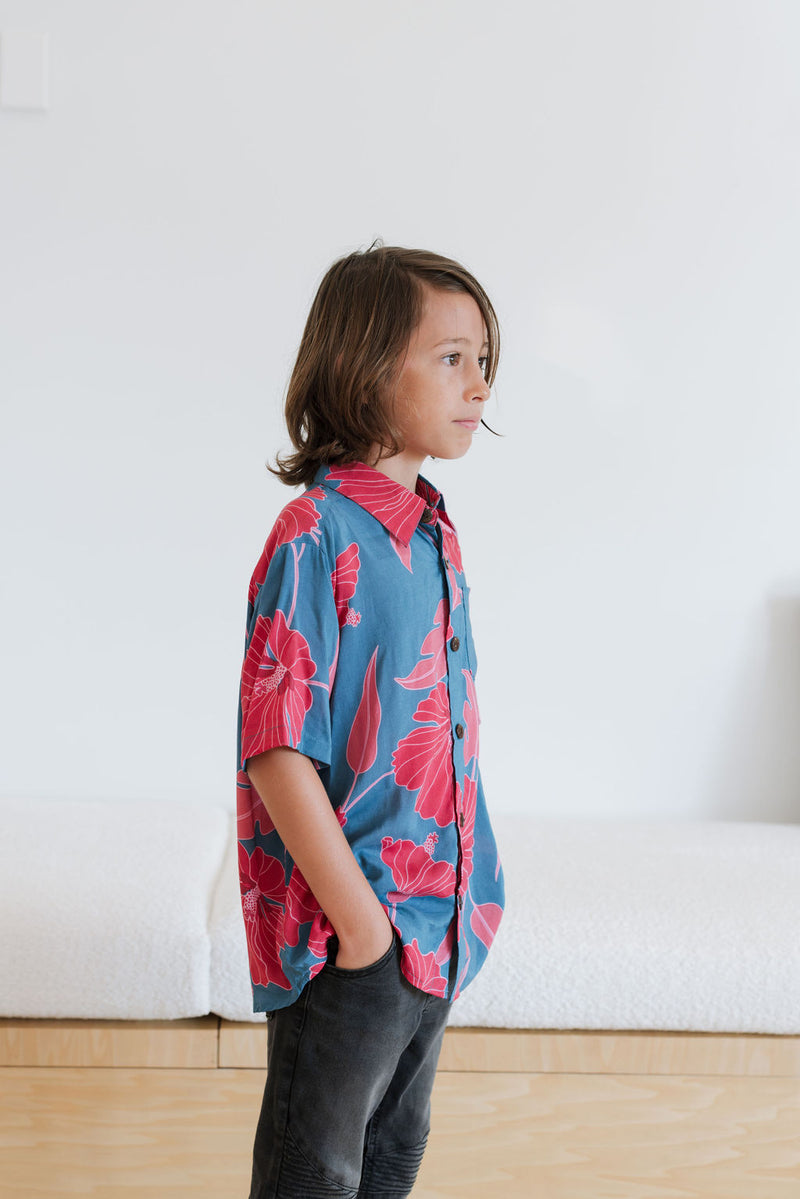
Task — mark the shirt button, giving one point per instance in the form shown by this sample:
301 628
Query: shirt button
461 820
454 644
460 901
459 731
427 515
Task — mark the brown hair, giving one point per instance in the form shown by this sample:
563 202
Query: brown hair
340 400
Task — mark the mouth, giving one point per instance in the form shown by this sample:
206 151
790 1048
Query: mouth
468 424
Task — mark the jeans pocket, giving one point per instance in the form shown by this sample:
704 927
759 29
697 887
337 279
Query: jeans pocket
369 970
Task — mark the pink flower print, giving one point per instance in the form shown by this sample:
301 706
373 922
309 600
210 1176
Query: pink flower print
352 618
275 691
423 968
362 744
414 871
432 665
261 879
471 719
423 759
344 580
485 921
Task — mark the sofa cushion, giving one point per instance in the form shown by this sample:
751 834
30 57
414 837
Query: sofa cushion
671 925
104 907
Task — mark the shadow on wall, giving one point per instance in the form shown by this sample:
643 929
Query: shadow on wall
759 767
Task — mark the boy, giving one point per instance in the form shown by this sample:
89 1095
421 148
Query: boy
371 885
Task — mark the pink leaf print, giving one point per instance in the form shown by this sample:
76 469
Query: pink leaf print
423 759
344 580
432 665
451 547
468 804
261 879
414 871
485 921
298 517
452 553
403 551
275 691
424 969
362 744
250 811
301 907
471 719
388 501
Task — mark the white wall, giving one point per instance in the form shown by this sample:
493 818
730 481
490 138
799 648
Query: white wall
623 176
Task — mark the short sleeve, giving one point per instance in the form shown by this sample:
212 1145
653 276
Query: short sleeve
290 658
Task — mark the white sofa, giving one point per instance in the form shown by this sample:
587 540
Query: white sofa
131 911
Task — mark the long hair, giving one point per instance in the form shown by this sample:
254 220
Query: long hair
341 395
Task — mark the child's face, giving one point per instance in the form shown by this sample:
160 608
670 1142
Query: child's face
441 390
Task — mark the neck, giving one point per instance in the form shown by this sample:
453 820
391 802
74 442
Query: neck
401 468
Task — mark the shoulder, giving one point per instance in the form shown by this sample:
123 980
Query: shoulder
313 525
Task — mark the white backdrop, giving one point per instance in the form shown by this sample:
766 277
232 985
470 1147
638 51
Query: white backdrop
623 176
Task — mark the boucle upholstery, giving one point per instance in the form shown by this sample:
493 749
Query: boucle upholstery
131 911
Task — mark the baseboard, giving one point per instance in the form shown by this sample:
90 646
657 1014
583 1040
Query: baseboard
208 1042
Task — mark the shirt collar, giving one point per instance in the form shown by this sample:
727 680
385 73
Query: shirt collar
398 509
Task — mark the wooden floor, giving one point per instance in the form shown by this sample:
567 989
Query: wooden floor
126 1111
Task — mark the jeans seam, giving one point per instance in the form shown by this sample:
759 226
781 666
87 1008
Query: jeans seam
329 1182
285 1128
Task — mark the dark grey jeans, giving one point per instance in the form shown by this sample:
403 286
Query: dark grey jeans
350 1069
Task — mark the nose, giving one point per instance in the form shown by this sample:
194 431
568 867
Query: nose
480 389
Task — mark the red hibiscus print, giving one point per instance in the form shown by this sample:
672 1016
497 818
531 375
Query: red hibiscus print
432 665
344 580
423 968
485 921
275 691
261 879
471 719
414 871
362 744
423 759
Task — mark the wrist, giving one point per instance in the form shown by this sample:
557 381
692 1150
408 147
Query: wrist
364 944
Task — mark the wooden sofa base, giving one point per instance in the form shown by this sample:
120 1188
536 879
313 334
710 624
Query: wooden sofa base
127 1110
208 1043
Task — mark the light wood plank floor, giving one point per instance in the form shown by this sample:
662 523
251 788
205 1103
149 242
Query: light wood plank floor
128 1133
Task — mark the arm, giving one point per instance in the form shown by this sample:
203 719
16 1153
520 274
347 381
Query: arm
298 805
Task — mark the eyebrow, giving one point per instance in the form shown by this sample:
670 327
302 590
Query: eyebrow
457 341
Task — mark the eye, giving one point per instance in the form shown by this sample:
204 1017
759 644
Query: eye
482 364
452 359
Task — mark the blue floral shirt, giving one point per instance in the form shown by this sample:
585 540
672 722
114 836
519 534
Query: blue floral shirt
359 654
